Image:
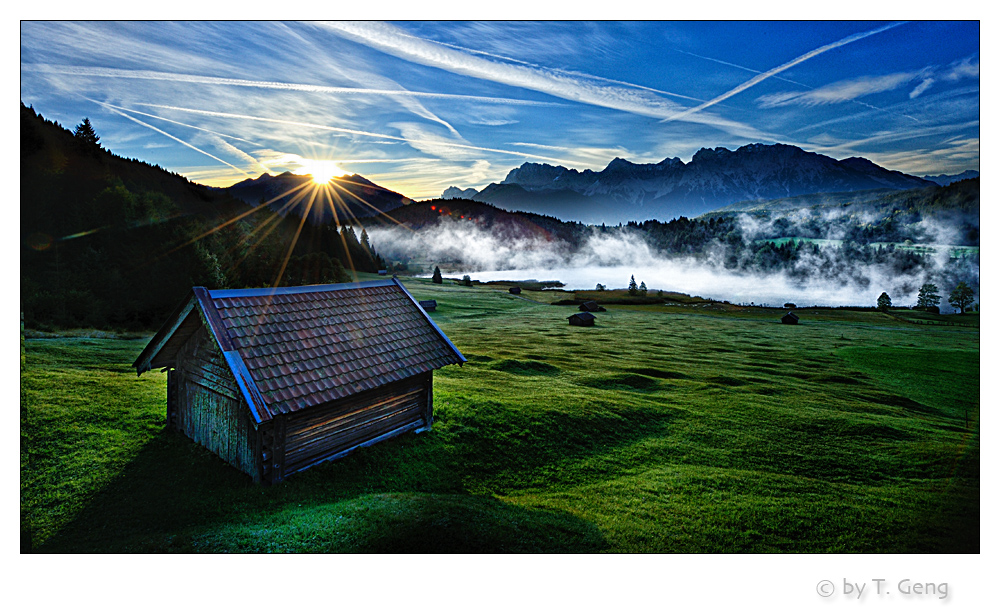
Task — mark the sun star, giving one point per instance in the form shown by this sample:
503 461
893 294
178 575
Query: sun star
322 171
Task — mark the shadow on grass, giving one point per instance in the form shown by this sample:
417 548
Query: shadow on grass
169 485
403 523
402 496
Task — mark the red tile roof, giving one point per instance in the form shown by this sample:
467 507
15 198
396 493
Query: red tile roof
310 345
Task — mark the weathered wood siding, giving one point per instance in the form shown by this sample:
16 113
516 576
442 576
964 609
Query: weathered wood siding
327 431
206 405
209 408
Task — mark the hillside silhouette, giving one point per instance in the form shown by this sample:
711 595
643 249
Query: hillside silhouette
111 242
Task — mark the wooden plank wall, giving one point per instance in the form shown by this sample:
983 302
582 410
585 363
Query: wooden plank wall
320 433
210 409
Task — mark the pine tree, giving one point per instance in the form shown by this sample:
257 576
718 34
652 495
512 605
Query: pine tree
928 296
884 302
642 289
633 289
436 277
87 135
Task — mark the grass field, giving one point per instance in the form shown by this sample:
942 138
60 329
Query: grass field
661 429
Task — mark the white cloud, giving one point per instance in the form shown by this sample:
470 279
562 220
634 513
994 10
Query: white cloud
967 68
842 91
921 87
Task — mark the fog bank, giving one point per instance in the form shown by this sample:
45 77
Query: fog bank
463 248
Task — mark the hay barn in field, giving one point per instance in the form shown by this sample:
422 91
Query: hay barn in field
591 306
582 319
277 380
789 318
515 290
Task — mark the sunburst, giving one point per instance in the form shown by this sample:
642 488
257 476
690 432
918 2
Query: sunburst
322 171
320 194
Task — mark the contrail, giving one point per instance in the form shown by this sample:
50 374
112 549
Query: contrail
118 73
565 72
166 134
355 132
392 40
770 73
219 134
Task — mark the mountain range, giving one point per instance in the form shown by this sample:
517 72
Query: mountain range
291 194
713 178
950 179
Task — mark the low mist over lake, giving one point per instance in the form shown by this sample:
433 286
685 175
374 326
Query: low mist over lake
825 277
691 278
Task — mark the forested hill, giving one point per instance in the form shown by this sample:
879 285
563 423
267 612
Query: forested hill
517 224
112 242
958 197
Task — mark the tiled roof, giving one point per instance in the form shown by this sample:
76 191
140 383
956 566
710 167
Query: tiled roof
309 345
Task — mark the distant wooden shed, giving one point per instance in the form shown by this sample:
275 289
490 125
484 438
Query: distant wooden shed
429 305
277 380
591 306
515 290
789 318
582 319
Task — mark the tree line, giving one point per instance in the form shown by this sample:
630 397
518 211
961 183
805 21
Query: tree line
961 298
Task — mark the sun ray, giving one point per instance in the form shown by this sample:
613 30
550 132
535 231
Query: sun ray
277 223
294 241
370 206
230 222
347 252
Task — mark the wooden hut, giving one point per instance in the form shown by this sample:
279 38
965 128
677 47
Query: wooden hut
429 305
789 318
591 306
277 380
515 290
582 319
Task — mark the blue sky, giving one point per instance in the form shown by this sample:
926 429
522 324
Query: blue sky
420 106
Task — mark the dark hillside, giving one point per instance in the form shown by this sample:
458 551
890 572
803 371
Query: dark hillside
430 213
111 242
357 195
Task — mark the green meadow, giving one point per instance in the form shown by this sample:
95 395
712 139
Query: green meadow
680 428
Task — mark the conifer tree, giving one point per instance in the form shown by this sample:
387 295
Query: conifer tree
87 135
884 302
436 277
633 289
642 289
928 296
